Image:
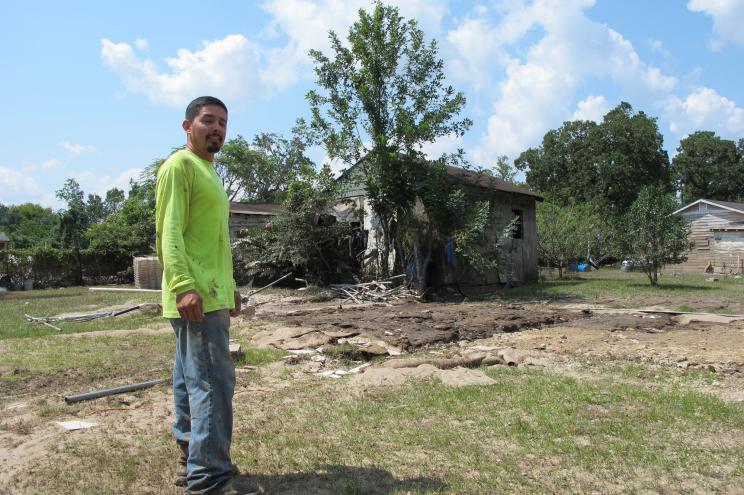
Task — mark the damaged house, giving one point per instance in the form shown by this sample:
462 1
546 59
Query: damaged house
717 234
506 202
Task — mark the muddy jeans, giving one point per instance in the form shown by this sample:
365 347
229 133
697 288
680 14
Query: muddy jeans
203 386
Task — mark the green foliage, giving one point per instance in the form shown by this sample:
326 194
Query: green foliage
708 167
304 237
28 225
262 171
504 169
654 235
131 229
380 98
606 163
74 220
564 233
54 267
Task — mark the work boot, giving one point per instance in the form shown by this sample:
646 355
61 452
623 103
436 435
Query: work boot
233 487
182 471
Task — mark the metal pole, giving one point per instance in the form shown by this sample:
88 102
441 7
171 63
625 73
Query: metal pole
96 394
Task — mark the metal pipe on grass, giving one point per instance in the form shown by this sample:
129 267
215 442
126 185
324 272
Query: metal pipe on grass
96 394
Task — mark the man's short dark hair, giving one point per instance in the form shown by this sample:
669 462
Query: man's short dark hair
195 106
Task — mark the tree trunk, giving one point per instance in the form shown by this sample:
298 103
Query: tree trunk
77 273
384 247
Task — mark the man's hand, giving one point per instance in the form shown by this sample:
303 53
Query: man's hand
236 310
189 306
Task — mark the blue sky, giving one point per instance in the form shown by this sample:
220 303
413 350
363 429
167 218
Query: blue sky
96 90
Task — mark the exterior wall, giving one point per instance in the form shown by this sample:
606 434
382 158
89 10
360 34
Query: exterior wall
240 221
523 251
723 251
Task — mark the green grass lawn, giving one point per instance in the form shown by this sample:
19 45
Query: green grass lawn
51 302
612 284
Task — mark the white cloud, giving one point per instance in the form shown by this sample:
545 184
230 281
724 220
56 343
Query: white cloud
76 148
541 81
444 145
658 47
705 109
16 188
224 67
477 45
591 108
306 24
141 44
728 17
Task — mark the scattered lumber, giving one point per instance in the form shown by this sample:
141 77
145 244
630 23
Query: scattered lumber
374 291
81 317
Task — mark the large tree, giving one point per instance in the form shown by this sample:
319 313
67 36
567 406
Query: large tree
73 222
261 171
655 236
605 163
708 167
380 96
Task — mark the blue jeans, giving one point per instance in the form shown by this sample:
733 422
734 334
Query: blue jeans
203 386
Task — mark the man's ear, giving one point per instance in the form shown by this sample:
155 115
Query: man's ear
186 125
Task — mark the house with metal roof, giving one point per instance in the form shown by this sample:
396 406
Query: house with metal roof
717 233
4 241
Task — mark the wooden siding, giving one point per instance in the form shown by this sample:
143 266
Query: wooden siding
722 251
240 221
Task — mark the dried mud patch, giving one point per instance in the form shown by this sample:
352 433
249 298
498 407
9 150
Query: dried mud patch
412 326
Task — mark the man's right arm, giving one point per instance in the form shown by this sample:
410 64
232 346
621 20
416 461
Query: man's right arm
172 214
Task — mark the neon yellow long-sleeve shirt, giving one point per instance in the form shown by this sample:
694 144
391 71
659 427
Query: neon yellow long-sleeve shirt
193 236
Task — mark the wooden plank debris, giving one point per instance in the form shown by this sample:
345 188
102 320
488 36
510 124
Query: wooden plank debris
375 291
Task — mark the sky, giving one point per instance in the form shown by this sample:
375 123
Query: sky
96 90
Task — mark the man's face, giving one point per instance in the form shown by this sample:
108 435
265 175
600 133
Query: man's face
206 133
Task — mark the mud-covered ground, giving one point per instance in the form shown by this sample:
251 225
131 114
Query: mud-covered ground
714 342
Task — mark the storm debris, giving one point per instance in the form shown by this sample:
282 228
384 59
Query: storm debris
374 291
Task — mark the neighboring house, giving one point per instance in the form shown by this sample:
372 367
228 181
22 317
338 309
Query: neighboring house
243 216
717 230
4 240
506 201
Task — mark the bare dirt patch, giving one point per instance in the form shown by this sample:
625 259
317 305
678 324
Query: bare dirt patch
412 326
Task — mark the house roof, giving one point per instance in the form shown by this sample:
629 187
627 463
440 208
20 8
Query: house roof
3 237
254 208
726 205
488 181
480 179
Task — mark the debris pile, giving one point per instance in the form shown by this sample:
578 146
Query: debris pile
374 291
82 317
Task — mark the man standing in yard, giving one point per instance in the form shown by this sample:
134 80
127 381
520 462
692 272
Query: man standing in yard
199 296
